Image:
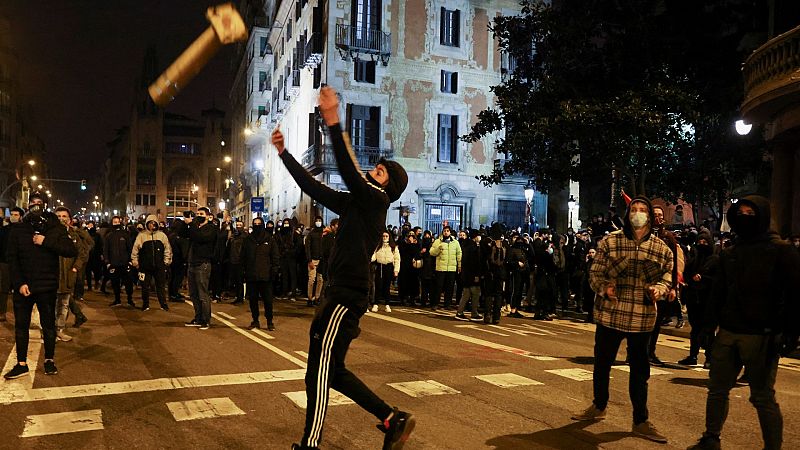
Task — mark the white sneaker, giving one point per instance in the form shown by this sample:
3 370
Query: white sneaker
374 308
388 308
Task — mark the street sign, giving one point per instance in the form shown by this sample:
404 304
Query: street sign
257 204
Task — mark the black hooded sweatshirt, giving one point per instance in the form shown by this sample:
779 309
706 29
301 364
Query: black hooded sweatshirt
362 218
756 289
37 265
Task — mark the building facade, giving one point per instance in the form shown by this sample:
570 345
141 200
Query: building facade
412 76
164 163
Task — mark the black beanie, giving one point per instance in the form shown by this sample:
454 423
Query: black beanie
398 179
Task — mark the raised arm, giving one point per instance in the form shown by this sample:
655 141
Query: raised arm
330 198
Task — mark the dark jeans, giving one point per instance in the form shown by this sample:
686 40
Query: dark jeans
758 354
384 274
198 292
159 276
426 288
178 272
408 283
606 345
562 285
5 286
23 308
696 312
78 290
237 281
260 291
120 276
662 313
445 281
545 292
94 268
333 329
289 276
519 282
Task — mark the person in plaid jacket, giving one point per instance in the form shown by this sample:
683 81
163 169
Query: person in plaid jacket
631 271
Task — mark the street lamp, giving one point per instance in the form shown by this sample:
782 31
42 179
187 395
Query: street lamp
31 162
221 205
529 192
222 143
227 159
34 178
742 127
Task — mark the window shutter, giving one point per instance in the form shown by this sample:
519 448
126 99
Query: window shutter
349 115
443 27
439 137
443 81
370 78
456 25
454 139
312 128
374 126
317 77
454 83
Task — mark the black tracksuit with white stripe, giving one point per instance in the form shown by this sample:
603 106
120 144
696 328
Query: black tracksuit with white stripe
362 220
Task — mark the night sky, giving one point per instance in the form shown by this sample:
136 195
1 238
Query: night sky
79 60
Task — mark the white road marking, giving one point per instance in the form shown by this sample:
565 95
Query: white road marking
260 342
302 353
207 408
423 388
335 398
34 351
544 358
460 337
483 329
518 332
262 333
507 380
700 369
64 422
227 316
158 384
573 374
541 329
653 370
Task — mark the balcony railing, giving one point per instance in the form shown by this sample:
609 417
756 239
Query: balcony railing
318 157
352 41
770 81
313 51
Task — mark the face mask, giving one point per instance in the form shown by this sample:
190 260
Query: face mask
639 219
270 228
259 227
746 226
318 224
201 219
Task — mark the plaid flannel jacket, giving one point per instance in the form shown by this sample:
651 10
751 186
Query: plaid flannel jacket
632 267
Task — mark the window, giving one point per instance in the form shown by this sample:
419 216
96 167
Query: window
264 46
262 111
288 30
450 27
363 125
264 82
449 82
447 139
512 213
364 71
212 180
314 130
366 14
298 10
145 200
182 148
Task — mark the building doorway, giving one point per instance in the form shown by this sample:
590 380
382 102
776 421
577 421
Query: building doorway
437 213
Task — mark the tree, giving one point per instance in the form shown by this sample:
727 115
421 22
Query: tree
614 85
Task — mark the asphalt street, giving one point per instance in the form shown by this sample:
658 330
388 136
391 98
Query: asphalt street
142 379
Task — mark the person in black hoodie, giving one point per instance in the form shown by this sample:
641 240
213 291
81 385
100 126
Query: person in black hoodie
473 269
260 260
699 274
287 242
202 238
5 276
34 246
362 214
313 249
117 248
179 242
754 302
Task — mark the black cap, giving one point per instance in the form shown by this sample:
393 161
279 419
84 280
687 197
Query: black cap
398 179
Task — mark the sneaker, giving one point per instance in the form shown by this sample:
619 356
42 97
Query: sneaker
145 308
165 307
495 322
688 361
16 372
64 337
193 323
397 429
115 304
253 325
648 431
374 308
387 308
681 323
590 413
50 367
516 314
506 309
80 321
461 316
707 442
131 304
205 326
656 361
271 327
476 318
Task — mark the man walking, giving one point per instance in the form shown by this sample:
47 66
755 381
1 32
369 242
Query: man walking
117 254
754 302
202 238
152 255
631 271
362 212
260 261
33 250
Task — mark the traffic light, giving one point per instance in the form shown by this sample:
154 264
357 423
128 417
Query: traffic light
83 185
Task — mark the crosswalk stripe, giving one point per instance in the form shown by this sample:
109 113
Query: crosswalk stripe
653 370
335 398
573 374
507 380
207 408
302 353
227 316
63 422
262 333
423 388
483 329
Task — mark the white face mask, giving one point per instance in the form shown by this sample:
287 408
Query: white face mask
318 224
386 240
639 219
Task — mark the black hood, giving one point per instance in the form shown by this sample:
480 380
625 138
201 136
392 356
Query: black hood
760 205
627 228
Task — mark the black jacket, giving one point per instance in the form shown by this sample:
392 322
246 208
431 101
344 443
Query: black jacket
362 218
473 265
117 247
756 289
327 246
37 265
203 242
260 256
4 233
314 244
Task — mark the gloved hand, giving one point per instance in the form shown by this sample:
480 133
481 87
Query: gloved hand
788 344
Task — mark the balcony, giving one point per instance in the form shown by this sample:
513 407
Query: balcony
294 87
265 85
353 41
318 157
313 51
770 78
